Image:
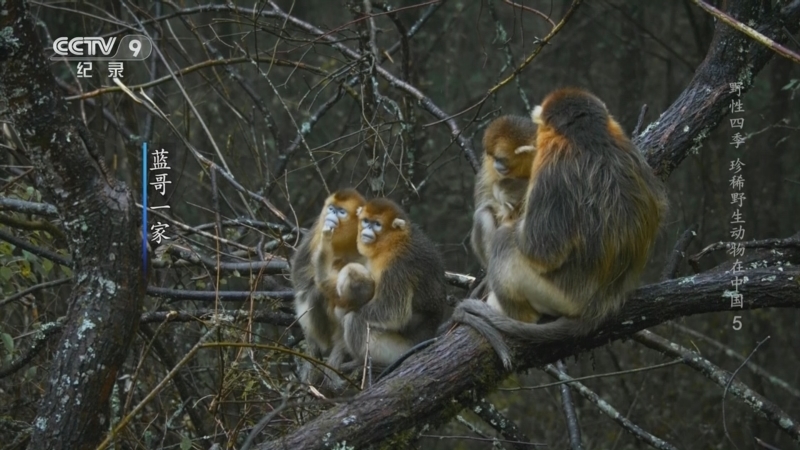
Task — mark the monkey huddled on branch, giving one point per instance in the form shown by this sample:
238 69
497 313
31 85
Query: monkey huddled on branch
591 213
367 282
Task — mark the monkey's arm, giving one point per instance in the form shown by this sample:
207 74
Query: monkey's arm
548 233
483 227
354 287
322 260
390 309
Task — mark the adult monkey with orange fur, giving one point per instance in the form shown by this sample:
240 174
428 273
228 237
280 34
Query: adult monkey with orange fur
329 245
592 212
509 148
409 293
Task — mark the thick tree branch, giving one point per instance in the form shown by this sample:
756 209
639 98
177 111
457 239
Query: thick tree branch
427 383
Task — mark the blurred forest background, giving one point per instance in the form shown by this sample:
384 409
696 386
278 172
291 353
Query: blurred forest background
292 118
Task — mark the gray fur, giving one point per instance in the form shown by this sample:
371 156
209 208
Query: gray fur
311 307
416 275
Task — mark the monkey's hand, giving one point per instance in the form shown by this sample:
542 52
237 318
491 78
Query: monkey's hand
327 231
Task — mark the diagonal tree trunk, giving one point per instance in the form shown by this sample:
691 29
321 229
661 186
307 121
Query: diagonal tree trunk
101 223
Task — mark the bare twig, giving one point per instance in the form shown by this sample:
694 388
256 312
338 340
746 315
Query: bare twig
793 241
728 385
507 428
760 405
40 338
750 32
640 121
731 353
540 45
573 427
123 423
32 289
678 253
611 412
529 9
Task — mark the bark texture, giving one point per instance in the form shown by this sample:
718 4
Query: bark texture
101 223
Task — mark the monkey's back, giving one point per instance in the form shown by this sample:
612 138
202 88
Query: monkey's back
310 304
421 264
603 194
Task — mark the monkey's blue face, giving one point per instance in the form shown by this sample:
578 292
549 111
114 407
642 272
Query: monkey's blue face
369 230
333 217
500 166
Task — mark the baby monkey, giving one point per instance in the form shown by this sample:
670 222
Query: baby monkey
591 213
509 149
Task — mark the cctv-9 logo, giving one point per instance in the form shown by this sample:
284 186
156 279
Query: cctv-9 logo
134 47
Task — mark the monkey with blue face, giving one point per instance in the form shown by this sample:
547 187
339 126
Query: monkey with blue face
328 247
405 273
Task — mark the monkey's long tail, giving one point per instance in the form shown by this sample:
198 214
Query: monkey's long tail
470 312
491 323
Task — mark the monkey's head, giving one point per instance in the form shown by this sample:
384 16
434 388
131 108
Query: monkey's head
340 218
383 228
570 112
508 143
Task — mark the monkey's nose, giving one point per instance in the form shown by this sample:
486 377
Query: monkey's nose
500 168
331 221
367 237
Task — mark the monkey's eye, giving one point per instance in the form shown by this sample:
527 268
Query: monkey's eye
331 208
377 226
341 212
365 223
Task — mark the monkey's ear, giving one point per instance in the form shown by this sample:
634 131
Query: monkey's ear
399 223
524 149
536 115
358 211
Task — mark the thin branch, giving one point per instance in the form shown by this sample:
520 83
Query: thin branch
640 121
532 10
731 353
32 289
752 33
611 412
41 338
195 67
759 404
38 251
26 207
540 45
793 241
678 253
728 385
123 423
180 294
502 424
32 225
573 427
